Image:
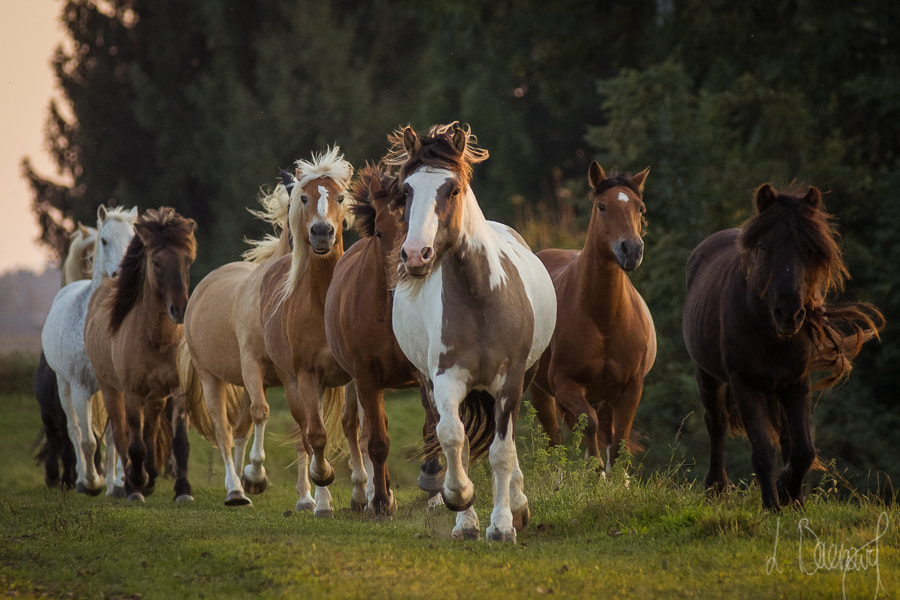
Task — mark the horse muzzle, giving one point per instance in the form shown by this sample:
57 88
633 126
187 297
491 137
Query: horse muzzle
629 253
788 322
176 312
321 238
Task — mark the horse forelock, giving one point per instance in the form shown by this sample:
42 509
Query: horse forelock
437 150
330 164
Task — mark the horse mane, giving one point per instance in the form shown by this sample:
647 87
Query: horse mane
838 330
363 207
437 151
275 205
155 229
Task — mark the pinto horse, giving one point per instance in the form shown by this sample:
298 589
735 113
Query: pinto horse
604 342
131 333
473 311
359 332
292 305
63 343
756 323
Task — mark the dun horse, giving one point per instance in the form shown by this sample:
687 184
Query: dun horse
756 322
604 342
132 332
359 331
62 340
473 311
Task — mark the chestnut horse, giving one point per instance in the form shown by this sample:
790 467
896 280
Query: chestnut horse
292 305
132 332
756 322
604 343
473 311
359 332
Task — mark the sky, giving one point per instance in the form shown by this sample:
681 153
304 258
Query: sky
29 34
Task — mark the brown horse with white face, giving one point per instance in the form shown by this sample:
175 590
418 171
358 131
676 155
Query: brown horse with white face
756 323
292 305
132 332
604 343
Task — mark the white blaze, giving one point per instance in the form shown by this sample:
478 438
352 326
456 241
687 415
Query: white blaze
323 201
623 196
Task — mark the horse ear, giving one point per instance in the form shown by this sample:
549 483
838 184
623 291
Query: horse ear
411 141
765 197
101 213
82 230
640 178
192 225
596 176
133 212
375 186
813 197
459 140
287 180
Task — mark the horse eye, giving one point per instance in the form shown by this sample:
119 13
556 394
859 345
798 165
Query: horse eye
377 234
304 198
341 199
104 241
601 207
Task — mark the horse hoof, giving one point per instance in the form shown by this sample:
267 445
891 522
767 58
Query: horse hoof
237 498
435 499
521 518
430 482
357 506
458 507
118 492
136 497
323 482
83 489
184 499
495 535
467 533
254 487
304 505
325 513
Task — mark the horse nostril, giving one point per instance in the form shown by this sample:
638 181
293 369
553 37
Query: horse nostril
427 253
403 255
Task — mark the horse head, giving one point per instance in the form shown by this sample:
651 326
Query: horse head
617 219
169 250
790 255
115 229
436 176
377 207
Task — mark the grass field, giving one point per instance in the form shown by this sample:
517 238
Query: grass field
635 534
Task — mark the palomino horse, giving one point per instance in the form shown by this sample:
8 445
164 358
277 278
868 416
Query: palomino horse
473 310
56 447
292 309
132 332
756 322
359 331
62 340
604 343
223 355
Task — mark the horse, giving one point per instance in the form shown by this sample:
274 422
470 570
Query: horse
55 446
131 334
292 305
223 354
756 322
62 340
473 311
604 343
359 332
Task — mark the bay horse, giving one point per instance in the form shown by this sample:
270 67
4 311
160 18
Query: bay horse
756 322
473 311
604 343
55 447
358 328
292 305
131 333
222 361
63 344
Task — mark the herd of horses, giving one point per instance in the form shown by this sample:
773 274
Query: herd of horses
433 296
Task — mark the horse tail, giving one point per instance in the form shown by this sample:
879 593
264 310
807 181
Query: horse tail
332 415
98 414
477 413
194 404
840 330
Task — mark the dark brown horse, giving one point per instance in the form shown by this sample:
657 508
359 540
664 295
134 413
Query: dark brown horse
358 325
756 323
604 342
132 332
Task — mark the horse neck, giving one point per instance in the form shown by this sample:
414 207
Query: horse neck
601 282
151 313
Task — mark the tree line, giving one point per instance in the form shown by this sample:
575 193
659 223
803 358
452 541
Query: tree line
198 105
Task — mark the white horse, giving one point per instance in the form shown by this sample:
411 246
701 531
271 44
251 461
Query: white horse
62 339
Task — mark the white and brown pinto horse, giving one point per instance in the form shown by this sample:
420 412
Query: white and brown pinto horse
473 311
604 343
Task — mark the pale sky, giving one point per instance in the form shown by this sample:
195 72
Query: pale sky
29 34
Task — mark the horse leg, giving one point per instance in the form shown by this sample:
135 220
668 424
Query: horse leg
712 396
431 475
571 397
350 421
115 470
372 400
241 431
545 407
752 406
509 497
800 453
181 446
458 489
149 413
76 404
255 479
622 413
214 396
308 398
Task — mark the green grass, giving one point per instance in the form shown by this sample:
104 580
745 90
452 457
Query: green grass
633 534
